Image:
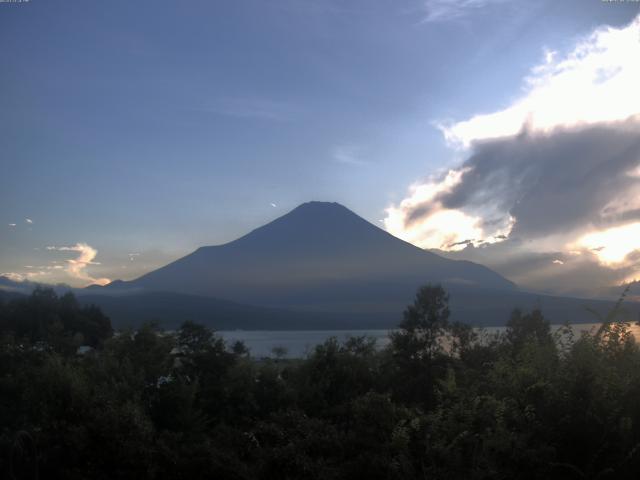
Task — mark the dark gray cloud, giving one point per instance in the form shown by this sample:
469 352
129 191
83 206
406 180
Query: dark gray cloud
577 275
551 182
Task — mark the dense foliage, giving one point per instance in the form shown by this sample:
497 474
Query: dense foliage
441 401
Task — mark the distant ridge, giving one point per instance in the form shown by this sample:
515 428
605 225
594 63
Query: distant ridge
169 310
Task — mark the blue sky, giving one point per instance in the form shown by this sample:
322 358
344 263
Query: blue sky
155 127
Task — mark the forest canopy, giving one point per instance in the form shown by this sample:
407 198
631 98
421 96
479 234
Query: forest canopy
440 401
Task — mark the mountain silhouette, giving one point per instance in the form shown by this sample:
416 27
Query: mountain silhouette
320 256
320 266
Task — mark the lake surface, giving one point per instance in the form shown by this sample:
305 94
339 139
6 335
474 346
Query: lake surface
298 343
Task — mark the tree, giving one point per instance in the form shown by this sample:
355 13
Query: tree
424 324
60 323
194 338
240 349
279 352
528 327
418 341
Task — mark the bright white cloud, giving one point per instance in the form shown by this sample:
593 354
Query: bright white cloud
443 228
446 229
28 220
76 267
597 82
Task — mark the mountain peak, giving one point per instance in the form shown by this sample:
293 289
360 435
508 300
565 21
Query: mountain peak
313 223
320 205
317 208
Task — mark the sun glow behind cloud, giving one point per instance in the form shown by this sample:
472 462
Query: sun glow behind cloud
612 246
451 228
444 228
597 82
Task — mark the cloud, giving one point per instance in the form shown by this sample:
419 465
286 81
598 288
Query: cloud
132 256
12 224
580 273
596 82
448 10
77 267
273 205
423 219
348 154
21 277
14 276
569 180
28 220
557 171
613 245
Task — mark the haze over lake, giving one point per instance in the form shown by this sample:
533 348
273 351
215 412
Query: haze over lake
298 343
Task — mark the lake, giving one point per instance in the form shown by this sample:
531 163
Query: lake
298 343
